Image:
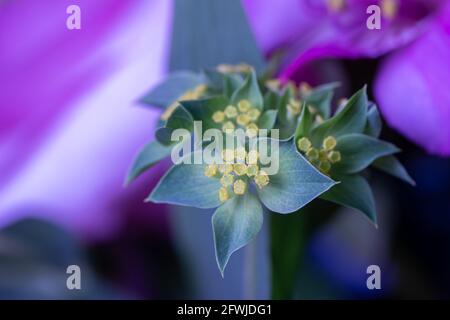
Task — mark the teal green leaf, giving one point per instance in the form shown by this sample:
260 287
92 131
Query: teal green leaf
187 185
305 122
353 191
250 91
296 183
147 157
235 223
321 97
267 119
179 119
374 124
352 119
358 151
231 82
392 166
202 110
172 88
271 100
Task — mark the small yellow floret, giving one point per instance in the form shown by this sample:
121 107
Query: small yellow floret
312 154
239 187
324 166
218 116
228 126
223 195
211 170
240 169
230 111
329 143
304 144
227 180
252 130
253 114
244 105
262 179
334 156
243 119
252 170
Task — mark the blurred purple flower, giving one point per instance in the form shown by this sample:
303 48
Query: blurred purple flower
68 125
410 85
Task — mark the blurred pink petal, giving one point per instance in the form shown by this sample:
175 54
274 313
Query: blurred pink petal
412 89
69 125
308 30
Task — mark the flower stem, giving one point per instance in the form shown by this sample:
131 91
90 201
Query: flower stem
250 271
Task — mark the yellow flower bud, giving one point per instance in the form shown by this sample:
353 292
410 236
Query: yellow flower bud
231 111
244 105
253 114
252 130
240 169
294 106
262 179
252 170
228 126
312 154
243 119
227 180
218 116
211 170
225 168
323 155
304 144
334 156
329 143
239 187
223 195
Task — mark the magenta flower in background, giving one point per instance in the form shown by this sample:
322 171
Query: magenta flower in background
410 86
69 125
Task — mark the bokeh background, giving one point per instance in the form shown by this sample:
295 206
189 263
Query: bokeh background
71 123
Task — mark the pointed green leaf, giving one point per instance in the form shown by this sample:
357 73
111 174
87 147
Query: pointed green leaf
172 88
352 119
250 91
305 122
296 183
187 185
353 191
271 100
358 151
267 119
374 124
231 82
392 166
147 157
235 223
321 97
203 110
179 119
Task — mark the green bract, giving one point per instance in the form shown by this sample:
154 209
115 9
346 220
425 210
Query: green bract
321 153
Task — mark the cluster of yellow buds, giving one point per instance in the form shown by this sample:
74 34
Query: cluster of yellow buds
243 116
231 68
321 158
238 170
193 94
